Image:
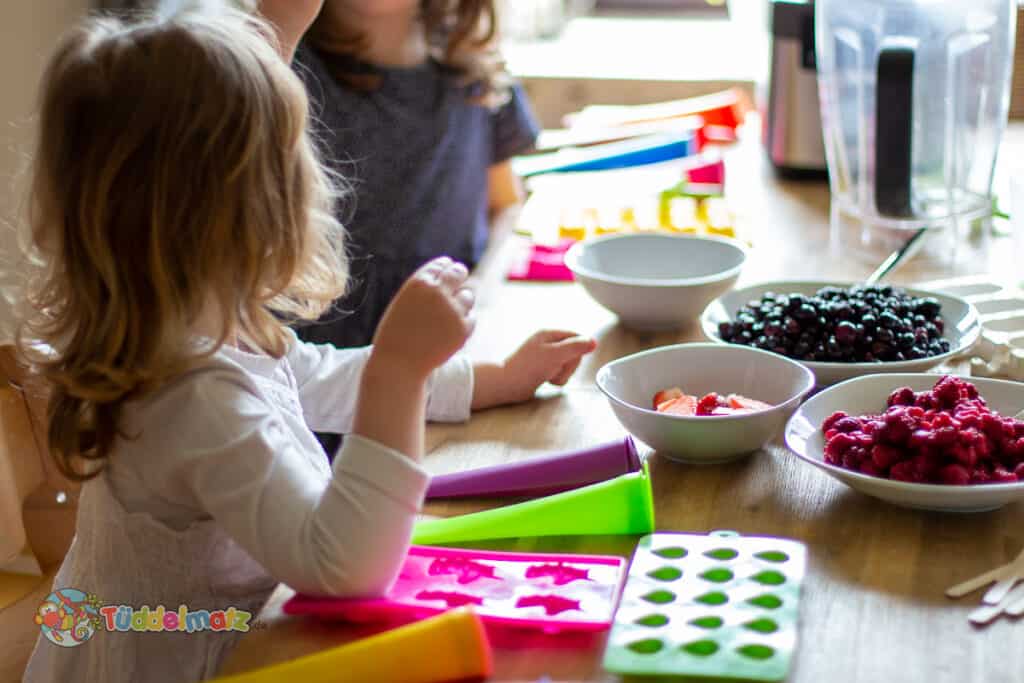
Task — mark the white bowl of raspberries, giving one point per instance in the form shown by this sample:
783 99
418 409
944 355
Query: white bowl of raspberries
841 330
934 442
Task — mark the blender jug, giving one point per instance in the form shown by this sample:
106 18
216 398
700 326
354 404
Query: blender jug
914 100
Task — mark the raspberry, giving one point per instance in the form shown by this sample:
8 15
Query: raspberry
830 421
964 454
956 475
847 425
869 468
1019 471
885 456
901 397
1000 475
903 471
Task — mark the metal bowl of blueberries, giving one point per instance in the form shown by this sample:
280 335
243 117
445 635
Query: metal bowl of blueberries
843 330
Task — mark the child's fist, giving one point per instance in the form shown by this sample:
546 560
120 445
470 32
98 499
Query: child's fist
547 356
428 320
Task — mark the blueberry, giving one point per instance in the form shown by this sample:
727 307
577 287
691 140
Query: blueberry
869 321
889 321
846 333
906 340
791 326
884 334
928 307
795 302
805 313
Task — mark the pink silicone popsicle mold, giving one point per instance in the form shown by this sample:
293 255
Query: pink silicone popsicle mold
552 593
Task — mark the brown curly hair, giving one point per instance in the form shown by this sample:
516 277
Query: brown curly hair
461 34
173 177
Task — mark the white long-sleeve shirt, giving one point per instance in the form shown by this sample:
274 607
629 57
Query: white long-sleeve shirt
219 490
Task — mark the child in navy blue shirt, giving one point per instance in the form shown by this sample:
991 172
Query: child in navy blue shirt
416 112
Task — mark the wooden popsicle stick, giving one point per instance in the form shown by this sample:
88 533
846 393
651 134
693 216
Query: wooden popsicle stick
1016 609
971 585
1010 603
1012 569
984 615
996 593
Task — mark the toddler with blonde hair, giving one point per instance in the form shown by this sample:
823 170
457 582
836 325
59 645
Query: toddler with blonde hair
182 220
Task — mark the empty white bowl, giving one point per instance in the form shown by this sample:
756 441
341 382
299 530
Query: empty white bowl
963 327
867 395
631 382
655 281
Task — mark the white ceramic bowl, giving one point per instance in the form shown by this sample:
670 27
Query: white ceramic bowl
963 328
865 395
656 281
631 382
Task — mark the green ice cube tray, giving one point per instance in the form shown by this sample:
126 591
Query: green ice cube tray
719 606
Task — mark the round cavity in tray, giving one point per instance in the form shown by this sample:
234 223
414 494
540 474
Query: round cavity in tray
999 305
756 651
709 622
772 556
647 646
713 598
665 573
701 648
722 553
652 620
659 597
762 625
717 575
766 600
769 578
673 553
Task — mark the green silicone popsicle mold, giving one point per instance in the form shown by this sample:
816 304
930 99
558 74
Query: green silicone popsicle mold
719 606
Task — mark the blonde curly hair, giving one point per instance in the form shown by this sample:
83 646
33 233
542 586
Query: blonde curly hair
174 177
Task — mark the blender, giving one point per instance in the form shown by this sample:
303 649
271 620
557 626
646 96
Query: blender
914 99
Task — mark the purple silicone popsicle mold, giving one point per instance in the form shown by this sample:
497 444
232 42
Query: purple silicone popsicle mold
541 476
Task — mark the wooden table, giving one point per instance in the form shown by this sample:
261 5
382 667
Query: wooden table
873 608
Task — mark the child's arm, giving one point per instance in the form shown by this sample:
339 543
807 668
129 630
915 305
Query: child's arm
291 19
220 449
325 374
504 188
548 356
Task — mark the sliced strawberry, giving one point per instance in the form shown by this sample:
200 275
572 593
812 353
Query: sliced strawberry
666 395
708 404
684 405
737 401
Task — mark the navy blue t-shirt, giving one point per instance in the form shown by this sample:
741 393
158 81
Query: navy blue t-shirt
415 151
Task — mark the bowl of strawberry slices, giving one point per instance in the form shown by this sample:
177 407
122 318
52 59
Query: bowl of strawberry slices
704 403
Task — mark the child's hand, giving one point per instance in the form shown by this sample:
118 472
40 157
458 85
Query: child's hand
428 320
548 356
